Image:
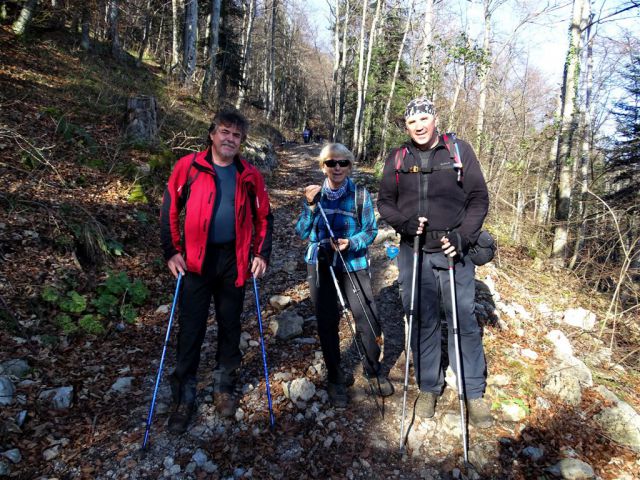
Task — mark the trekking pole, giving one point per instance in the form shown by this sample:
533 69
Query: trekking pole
272 418
407 346
345 313
456 340
159 376
344 264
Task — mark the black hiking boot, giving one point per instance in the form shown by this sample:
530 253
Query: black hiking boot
426 405
345 378
181 417
383 385
338 394
479 413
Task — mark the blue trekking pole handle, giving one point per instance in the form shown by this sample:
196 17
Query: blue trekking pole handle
164 351
272 418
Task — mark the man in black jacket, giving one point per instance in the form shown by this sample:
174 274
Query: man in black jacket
435 189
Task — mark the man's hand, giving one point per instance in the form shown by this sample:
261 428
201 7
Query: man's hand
449 249
421 225
342 244
310 193
177 265
258 267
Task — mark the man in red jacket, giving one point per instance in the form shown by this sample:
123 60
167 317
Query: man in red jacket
227 220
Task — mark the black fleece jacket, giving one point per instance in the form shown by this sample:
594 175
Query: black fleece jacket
450 205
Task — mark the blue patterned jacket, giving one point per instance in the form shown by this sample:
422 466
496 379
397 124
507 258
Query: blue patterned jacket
343 220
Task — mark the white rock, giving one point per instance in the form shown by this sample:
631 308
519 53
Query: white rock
163 309
499 380
512 412
544 310
580 317
528 353
622 424
14 455
59 398
572 469
122 385
561 344
51 453
280 301
7 390
299 389
200 457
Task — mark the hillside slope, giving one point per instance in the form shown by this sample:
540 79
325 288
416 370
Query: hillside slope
78 229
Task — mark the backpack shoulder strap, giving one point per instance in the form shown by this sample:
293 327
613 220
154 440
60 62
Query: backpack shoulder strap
189 181
399 162
359 195
451 142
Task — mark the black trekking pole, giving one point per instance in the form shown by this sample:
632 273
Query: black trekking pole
272 418
407 346
344 264
159 376
456 341
345 313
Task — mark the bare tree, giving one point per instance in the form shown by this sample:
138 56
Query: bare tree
210 73
249 8
189 44
21 24
568 126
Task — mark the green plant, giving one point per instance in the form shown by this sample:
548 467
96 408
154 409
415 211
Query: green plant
66 324
91 324
73 302
137 195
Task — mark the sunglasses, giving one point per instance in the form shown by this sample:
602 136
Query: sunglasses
333 163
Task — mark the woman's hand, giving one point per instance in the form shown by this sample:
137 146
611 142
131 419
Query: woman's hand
342 244
310 193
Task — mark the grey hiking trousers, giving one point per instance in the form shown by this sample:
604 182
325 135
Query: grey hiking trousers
426 340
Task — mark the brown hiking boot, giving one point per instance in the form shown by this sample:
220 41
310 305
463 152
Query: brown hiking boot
225 403
479 413
180 418
426 405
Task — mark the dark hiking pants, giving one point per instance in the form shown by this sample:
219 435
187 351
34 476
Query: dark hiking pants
327 308
218 280
426 339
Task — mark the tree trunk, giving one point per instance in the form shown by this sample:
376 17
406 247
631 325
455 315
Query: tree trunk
271 84
568 125
360 96
585 157
335 90
338 133
114 36
214 26
387 108
85 42
359 144
190 39
175 52
145 33
142 123
426 62
26 14
484 77
246 49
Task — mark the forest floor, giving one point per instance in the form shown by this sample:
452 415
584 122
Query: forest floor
68 195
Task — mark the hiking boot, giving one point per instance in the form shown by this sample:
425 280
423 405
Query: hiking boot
479 413
385 388
225 403
338 395
426 405
180 418
345 378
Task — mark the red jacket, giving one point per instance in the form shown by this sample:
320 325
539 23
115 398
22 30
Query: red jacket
192 187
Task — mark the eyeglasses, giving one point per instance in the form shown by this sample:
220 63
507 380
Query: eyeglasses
332 163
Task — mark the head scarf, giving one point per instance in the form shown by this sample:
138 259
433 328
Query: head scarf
419 105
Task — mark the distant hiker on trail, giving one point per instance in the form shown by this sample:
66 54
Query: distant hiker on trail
349 211
432 189
306 134
226 212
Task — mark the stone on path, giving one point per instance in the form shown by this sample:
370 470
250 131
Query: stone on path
287 325
122 385
621 422
280 301
59 398
7 390
16 368
572 469
580 317
299 389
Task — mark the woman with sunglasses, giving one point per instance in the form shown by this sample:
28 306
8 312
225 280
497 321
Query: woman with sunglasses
349 212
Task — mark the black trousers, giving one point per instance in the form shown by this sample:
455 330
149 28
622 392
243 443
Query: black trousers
325 300
434 291
218 280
